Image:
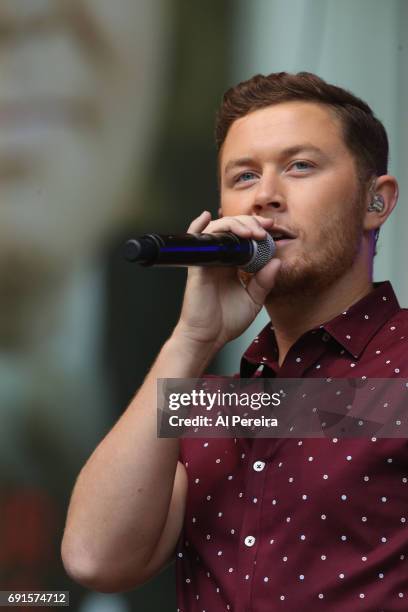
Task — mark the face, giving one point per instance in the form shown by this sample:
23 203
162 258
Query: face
79 84
289 162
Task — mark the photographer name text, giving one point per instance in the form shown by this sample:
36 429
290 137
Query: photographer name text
225 420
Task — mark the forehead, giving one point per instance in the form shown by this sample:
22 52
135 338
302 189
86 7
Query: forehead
282 126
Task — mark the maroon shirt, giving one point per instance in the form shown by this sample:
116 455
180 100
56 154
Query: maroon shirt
312 524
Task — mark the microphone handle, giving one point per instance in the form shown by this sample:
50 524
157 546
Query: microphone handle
219 249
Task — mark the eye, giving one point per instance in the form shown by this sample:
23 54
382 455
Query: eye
245 177
301 165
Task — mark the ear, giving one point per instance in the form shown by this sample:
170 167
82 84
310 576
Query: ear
385 186
220 215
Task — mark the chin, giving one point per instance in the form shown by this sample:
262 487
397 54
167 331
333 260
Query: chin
306 279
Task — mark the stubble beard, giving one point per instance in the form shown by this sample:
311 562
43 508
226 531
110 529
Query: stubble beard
335 251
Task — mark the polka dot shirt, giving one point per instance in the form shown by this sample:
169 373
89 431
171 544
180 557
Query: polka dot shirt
314 524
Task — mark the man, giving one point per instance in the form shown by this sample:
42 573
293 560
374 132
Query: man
268 524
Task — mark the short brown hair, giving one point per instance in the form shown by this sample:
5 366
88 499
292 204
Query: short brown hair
363 133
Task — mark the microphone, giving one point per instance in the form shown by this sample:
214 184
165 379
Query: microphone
218 249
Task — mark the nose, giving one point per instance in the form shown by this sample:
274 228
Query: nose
268 194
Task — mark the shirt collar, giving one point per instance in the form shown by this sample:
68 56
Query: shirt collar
353 328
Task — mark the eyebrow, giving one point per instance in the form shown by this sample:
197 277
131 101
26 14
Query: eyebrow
288 152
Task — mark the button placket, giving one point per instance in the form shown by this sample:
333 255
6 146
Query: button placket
249 541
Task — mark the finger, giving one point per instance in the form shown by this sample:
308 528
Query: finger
263 281
264 225
261 225
244 226
228 224
200 223
264 221
253 222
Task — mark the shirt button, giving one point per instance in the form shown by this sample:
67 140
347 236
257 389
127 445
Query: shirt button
249 541
259 466
326 337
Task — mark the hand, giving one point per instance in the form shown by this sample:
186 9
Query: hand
217 307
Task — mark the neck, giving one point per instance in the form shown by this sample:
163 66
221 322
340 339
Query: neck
294 315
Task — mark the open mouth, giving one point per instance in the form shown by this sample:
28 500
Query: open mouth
281 236
283 242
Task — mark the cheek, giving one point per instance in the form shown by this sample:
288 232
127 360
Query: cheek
337 188
321 204
236 203
226 210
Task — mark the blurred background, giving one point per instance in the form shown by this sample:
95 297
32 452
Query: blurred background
106 132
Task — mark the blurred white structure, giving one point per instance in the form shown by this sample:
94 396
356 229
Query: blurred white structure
80 85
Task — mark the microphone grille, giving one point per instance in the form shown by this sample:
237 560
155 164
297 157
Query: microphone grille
264 250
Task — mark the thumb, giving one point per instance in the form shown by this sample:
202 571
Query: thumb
263 281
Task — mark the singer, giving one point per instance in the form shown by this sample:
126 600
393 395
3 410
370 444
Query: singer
260 525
